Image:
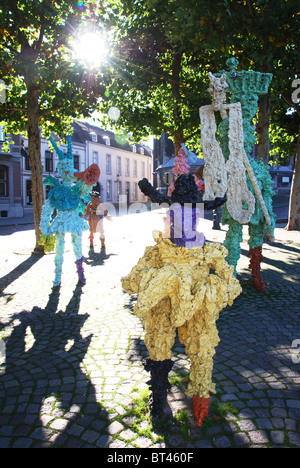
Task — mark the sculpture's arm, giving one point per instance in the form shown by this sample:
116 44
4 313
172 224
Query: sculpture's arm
154 195
157 197
47 212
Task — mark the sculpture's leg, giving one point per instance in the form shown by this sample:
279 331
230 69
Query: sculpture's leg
77 246
91 237
234 236
159 384
100 229
256 240
200 409
201 338
102 241
255 260
60 246
159 339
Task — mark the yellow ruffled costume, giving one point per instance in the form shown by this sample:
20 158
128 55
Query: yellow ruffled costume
186 289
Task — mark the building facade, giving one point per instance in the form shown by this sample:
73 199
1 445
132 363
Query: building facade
122 165
11 202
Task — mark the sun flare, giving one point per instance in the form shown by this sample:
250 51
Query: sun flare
92 48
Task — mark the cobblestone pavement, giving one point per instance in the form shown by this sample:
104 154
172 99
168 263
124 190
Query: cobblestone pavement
73 372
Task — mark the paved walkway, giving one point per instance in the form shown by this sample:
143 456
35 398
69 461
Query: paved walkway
74 355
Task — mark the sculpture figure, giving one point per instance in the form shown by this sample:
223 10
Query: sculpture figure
96 215
197 284
66 200
231 170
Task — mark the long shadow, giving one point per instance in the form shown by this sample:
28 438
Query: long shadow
18 271
46 398
12 228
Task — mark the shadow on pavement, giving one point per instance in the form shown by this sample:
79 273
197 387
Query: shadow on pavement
18 271
97 258
12 228
52 401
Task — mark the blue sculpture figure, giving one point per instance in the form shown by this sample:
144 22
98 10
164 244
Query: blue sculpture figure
67 199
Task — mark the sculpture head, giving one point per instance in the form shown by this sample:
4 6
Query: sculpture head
96 199
65 165
217 90
66 170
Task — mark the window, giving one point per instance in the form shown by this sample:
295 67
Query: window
108 164
143 169
108 190
28 193
119 166
106 140
135 191
93 136
3 181
135 168
95 157
76 162
2 134
141 150
127 167
26 160
128 191
49 161
119 189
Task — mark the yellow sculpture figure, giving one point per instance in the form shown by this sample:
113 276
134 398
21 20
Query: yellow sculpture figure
184 288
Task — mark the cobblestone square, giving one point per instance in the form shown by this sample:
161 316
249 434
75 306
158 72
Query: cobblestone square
73 354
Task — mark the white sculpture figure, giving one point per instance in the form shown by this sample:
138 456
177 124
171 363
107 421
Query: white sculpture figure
221 177
214 171
238 191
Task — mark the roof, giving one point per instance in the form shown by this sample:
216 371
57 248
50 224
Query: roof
83 132
171 163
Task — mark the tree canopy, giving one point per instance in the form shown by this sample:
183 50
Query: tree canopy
36 50
45 86
164 50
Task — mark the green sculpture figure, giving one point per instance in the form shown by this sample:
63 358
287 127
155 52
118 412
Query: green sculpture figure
246 87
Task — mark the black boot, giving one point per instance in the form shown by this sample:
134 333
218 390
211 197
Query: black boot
159 384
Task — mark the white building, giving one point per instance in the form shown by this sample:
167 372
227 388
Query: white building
122 165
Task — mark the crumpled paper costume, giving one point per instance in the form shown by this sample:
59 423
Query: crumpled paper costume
66 200
181 284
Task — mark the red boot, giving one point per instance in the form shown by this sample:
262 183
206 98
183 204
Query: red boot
200 408
91 241
255 259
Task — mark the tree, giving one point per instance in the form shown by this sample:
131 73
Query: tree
285 139
165 50
157 72
45 86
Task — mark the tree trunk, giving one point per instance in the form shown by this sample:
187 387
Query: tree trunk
294 208
262 129
178 131
178 140
34 149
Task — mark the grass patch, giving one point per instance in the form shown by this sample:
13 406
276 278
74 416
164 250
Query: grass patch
217 413
178 379
182 420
